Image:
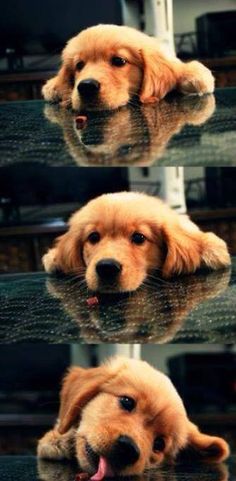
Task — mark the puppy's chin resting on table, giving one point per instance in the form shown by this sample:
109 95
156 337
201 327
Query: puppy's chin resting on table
105 66
122 419
117 240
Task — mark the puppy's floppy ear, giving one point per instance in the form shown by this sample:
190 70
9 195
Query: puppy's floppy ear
65 76
208 448
159 76
188 249
79 387
59 88
66 256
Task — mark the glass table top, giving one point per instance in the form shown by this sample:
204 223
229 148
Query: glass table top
28 468
198 308
177 131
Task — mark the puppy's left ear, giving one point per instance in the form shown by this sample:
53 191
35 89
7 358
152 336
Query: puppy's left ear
79 387
159 76
189 249
208 448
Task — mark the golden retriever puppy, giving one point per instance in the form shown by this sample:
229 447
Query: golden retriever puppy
145 134
105 66
116 240
124 418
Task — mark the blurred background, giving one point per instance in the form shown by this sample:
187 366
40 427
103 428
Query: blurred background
31 38
36 201
205 377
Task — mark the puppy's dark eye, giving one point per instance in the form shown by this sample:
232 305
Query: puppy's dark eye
94 237
159 444
118 61
138 238
80 65
127 403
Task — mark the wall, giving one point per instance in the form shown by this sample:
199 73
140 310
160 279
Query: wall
185 11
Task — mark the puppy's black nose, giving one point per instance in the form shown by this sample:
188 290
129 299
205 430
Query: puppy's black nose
124 452
88 88
108 269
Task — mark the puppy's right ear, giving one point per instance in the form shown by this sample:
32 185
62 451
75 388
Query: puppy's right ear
59 88
66 256
159 76
79 387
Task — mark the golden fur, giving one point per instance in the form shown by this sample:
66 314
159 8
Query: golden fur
148 72
172 243
91 414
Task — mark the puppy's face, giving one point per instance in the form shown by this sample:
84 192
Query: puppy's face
119 256
107 71
108 65
130 419
132 428
116 242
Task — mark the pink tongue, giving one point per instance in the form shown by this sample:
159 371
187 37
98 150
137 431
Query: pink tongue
104 470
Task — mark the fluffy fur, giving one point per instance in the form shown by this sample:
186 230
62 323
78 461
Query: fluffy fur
92 418
172 244
148 72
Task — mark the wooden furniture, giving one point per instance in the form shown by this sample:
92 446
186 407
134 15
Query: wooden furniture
23 86
22 247
223 69
220 221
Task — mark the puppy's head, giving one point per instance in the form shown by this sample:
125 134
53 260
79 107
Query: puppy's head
128 418
117 240
110 64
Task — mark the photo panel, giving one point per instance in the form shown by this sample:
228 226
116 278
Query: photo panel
118 240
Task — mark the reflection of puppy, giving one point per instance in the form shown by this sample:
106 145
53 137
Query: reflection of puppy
116 240
105 66
145 133
123 418
153 313
57 471
48 471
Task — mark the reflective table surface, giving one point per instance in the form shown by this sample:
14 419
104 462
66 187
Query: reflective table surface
194 308
177 131
28 468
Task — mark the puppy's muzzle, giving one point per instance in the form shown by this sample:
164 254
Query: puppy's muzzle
108 270
88 88
124 452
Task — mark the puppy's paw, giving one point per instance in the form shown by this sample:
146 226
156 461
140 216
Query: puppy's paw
50 91
49 260
215 252
202 111
55 446
196 79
